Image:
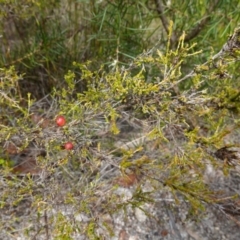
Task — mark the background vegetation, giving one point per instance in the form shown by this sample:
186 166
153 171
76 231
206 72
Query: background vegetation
150 92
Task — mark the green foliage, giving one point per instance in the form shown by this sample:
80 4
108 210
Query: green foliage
97 71
108 96
43 38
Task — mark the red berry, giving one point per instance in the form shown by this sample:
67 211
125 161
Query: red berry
68 146
61 121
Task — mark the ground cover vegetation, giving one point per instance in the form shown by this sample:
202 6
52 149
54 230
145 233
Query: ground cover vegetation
107 105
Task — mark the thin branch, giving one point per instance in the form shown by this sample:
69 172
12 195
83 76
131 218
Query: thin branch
161 10
165 22
196 30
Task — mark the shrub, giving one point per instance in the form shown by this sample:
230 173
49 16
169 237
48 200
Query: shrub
133 126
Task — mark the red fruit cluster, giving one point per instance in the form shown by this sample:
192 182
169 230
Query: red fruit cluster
61 121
